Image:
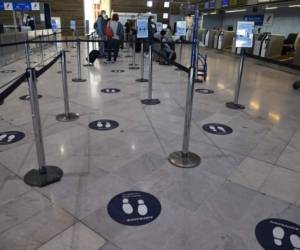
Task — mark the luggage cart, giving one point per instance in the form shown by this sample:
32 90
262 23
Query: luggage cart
202 67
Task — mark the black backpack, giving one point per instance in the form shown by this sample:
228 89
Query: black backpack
95 25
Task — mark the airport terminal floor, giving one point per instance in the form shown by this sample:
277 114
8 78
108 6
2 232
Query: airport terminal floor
245 177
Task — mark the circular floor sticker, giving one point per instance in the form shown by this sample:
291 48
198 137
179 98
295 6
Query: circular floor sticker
134 208
10 137
110 90
103 125
217 129
8 71
277 234
204 91
117 71
27 97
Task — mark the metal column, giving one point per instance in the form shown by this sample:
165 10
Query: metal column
78 79
142 79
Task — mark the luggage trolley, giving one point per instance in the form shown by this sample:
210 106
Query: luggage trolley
202 66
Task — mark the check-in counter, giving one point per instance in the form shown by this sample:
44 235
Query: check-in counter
216 39
225 39
296 60
272 46
202 33
209 38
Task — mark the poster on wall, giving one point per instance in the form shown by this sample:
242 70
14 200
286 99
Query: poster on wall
35 6
1 6
21 6
181 28
212 4
268 19
142 28
54 25
72 24
8 6
244 34
159 27
225 3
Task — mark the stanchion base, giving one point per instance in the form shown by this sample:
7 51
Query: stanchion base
27 97
78 80
68 72
67 118
198 80
180 160
88 65
134 67
150 101
232 105
47 176
141 80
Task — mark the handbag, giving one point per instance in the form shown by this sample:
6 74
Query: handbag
108 31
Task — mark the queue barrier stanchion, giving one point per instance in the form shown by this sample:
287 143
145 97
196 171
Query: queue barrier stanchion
150 100
67 116
142 79
235 104
93 44
56 46
180 55
27 54
88 64
78 79
44 175
134 65
41 51
185 158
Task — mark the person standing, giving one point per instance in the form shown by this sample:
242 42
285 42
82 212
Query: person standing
152 29
100 29
114 33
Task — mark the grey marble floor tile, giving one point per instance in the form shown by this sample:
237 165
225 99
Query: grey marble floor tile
282 184
21 208
76 237
37 230
251 173
110 246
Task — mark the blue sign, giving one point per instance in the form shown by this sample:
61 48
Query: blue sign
212 4
21 6
134 208
53 25
142 28
257 19
1 6
181 28
225 3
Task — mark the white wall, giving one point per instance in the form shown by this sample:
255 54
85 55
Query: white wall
286 20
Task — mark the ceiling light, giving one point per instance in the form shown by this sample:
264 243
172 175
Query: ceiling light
165 16
271 8
294 6
234 11
166 4
213 13
149 4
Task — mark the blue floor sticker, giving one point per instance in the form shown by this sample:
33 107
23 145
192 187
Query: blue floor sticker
277 234
110 91
217 129
10 137
134 208
103 125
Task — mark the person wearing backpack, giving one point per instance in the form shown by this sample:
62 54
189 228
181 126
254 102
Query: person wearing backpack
114 33
100 29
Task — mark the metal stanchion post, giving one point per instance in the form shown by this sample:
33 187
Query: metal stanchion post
185 158
142 79
180 55
88 64
44 175
150 101
133 65
67 116
41 51
27 54
78 79
56 47
235 104
93 44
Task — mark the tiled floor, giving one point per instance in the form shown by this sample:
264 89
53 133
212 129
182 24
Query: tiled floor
245 177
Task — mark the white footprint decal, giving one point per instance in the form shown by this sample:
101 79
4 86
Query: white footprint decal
10 138
2 137
295 240
142 208
212 128
278 234
127 208
108 125
113 91
221 129
107 91
99 125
